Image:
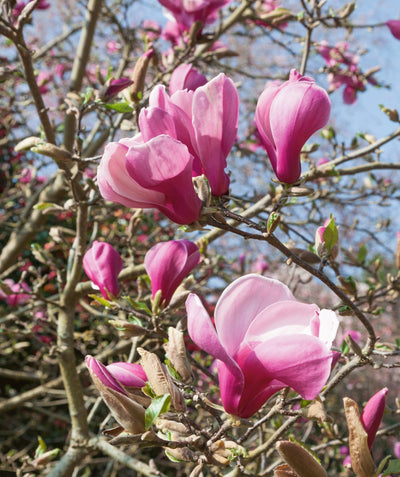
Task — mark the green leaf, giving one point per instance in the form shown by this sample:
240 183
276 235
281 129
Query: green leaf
171 457
158 406
330 235
362 253
392 468
123 107
41 448
148 390
397 342
137 305
45 205
101 300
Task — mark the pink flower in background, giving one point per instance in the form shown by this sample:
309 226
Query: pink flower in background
155 174
287 115
396 449
168 263
205 120
18 297
372 414
187 13
43 79
394 27
338 54
102 264
113 46
186 77
264 341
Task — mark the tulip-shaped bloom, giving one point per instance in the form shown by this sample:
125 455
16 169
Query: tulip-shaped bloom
394 27
205 120
186 77
372 414
286 117
186 13
114 383
264 341
155 174
102 264
168 263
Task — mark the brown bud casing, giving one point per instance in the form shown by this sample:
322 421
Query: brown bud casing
299 460
176 353
361 459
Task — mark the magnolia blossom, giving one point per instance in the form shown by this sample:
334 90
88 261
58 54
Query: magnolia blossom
102 264
186 77
168 263
185 135
394 27
187 13
264 341
286 117
119 385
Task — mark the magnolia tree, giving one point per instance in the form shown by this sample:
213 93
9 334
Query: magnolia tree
198 265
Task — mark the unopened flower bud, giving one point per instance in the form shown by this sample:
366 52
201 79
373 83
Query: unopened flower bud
361 459
327 239
301 461
160 380
176 353
139 75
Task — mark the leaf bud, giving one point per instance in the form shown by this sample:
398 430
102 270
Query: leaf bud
300 460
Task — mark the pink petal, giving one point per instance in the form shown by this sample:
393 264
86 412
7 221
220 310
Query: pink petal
164 165
103 374
117 185
128 374
282 318
202 332
215 119
302 362
241 302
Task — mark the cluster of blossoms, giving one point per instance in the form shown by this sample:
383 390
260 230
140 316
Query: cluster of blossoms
343 69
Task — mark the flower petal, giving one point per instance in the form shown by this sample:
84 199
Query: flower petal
241 302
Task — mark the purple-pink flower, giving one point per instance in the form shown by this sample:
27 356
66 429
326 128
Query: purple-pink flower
187 13
185 135
372 414
102 264
168 263
394 27
286 117
263 340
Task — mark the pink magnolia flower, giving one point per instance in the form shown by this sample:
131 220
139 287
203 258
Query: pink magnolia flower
205 120
43 79
372 414
18 297
187 13
114 87
155 174
264 341
116 383
168 263
394 27
102 264
286 117
186 77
